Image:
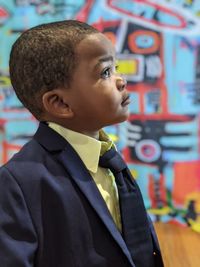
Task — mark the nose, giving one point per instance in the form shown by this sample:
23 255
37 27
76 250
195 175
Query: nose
121 83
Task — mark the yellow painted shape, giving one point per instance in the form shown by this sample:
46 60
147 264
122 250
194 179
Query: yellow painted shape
162 211
127 66
134 173
195 225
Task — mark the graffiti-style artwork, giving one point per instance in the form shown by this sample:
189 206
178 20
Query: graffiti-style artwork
158 52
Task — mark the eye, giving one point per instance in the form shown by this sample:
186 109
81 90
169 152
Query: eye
106 73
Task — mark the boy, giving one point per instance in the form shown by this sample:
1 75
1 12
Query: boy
58 208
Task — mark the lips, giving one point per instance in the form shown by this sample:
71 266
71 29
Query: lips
126 101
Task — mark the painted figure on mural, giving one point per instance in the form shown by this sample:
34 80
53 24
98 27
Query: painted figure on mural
67 198
160 140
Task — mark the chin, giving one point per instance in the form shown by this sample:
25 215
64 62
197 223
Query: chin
124 117
120 119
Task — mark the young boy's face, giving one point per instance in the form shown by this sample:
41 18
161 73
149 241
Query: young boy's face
97 94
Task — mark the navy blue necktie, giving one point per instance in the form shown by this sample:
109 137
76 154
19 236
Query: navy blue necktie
135 227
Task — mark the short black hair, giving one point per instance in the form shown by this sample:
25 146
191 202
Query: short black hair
43 58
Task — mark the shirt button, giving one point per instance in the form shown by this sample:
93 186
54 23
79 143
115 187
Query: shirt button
154 253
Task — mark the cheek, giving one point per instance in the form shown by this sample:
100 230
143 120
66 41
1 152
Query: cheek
109 92
113 99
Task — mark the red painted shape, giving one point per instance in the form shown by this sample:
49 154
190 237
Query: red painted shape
83 14
158 7
3 13
186 180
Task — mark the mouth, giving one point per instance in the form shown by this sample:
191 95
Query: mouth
126 101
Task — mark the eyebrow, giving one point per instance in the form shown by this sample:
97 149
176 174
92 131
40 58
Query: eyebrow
104 59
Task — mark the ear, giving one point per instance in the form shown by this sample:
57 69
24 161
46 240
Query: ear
56 104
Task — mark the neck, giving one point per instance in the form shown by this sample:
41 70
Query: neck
78 126
94 134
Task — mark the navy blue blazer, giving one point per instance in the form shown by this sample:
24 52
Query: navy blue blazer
52 214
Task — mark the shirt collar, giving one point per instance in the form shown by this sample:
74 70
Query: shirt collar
89 149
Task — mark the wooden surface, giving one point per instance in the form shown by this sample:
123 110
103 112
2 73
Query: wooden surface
180 246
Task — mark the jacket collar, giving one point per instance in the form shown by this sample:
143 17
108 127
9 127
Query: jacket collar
88 148
49 139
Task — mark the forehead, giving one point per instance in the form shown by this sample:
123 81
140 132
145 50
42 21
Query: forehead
95 46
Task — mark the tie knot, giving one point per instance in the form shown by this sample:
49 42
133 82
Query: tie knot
112 160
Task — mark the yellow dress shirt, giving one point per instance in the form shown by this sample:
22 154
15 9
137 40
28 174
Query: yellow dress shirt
89 150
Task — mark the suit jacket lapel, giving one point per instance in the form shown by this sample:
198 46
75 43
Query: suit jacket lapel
52 141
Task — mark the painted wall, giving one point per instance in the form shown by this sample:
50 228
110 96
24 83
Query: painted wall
158 47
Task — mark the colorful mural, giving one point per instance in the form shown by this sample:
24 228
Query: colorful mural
158 50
